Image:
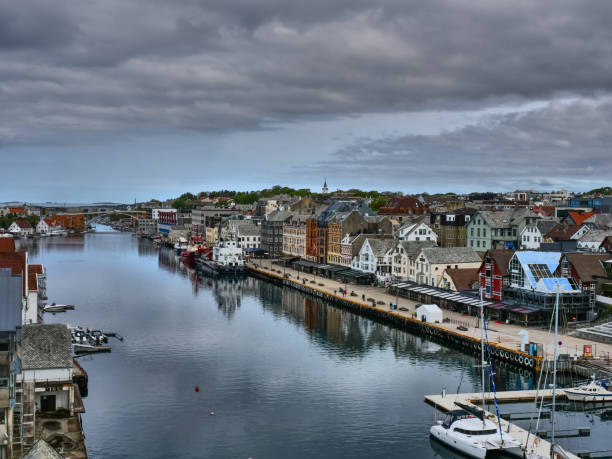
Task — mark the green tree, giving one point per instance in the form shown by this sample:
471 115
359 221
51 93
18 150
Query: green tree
378 202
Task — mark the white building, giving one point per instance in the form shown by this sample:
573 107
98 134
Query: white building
417 232
47 226
430 264
47 368
531 237
403 256
375 256
248 236
21 228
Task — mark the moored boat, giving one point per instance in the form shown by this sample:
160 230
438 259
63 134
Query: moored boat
466 430
595 391
225 259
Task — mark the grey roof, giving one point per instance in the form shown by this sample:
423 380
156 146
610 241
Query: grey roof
595 235
600 221
412 248
546 225
506 218
10 300
375 218
279 216
248 229
381 246
42 450
327 213
46 346
438 255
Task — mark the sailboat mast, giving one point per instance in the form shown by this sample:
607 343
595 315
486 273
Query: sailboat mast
482 360
554 391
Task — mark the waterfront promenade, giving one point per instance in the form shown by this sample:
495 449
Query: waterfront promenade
501 333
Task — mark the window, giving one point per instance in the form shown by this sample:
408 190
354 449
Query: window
477 243
484 232
478 232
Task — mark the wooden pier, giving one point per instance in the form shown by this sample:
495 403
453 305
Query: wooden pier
536 444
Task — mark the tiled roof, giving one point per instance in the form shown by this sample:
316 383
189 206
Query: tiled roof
7 244
42 450
544 226
23 224
506 218
249 229
562 232
502 259
588 265
601 221
33 270
439 255
579 218
380 246
279 216
412 248
16 261
595 236
463 279
46 346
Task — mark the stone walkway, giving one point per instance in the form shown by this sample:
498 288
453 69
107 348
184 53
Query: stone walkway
504 334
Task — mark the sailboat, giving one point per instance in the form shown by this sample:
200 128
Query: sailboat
467 429
556 451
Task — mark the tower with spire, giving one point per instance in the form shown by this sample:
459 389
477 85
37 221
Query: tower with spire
325 190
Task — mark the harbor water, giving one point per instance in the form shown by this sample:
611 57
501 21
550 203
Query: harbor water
285 375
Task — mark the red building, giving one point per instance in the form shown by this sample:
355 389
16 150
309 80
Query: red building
584 268
493 275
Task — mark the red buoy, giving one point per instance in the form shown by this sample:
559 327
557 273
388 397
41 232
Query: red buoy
197 388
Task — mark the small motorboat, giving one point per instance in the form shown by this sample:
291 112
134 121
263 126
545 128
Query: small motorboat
98 337
595 391
58 307
79 337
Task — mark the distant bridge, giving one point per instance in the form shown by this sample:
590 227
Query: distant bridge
91 217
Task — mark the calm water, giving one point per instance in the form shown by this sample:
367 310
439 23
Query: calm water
285 375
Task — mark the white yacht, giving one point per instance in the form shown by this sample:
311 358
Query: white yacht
595 391
466 429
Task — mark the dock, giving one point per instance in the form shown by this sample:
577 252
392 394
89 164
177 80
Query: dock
539 445
457 330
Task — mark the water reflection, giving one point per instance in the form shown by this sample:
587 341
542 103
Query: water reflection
284 371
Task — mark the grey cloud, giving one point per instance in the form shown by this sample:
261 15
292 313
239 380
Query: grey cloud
563 144
216 66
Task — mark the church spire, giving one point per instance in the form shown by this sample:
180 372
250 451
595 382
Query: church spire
325 187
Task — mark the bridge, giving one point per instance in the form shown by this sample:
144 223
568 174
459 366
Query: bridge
91 217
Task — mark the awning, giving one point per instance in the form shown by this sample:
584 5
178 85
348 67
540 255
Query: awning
523 310
497 306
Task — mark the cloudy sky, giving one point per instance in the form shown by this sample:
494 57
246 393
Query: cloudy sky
134 99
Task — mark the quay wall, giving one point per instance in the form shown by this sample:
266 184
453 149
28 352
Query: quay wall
500 354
